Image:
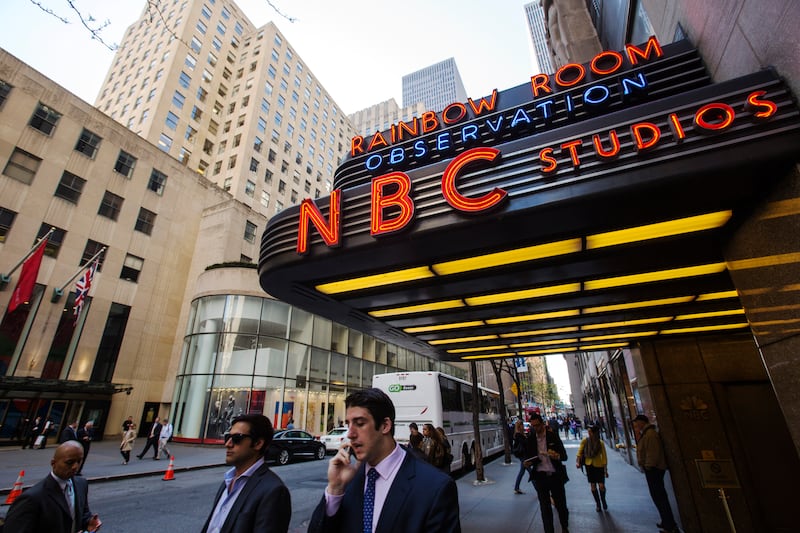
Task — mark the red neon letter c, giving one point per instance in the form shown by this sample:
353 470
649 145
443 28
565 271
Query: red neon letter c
455 198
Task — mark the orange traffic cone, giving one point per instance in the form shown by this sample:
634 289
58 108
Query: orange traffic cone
170 469
16 489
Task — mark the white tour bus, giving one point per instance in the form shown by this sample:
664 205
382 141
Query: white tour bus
446 402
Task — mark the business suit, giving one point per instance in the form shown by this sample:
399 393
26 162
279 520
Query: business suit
43 507
263 505
152 440
68 434
549 485
421 498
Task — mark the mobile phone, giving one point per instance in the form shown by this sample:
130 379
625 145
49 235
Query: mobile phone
351 451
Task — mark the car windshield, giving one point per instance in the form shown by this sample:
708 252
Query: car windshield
337 431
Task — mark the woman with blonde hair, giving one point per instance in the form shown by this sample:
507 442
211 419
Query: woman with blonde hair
592 455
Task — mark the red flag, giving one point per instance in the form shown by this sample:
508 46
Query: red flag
27 278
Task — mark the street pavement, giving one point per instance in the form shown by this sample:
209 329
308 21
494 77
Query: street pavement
484 506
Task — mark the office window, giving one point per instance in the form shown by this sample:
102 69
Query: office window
172 120
5 88
254 164
44 119
178 99
131 268
165 142
265 198
6 221
125 164
195 45
184 156
55 240
250 188
250 232
145 221
257 143
227 184
158 180
91 249
70 187
22 166
184 80
111 205
88 143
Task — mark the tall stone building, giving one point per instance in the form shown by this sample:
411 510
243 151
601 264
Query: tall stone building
231 101
437 86
204 127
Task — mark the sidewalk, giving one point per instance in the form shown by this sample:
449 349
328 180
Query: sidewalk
495 507
104 462
490 506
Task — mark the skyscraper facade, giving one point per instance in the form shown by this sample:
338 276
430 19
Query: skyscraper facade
437 86
231 101
380 117
534 13
205 126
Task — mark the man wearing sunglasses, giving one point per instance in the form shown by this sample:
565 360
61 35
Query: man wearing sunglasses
252 497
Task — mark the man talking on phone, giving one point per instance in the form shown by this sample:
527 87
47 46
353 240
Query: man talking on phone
387 489
546 456
60 502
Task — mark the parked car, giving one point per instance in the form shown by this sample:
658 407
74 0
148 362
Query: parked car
335 438
292 443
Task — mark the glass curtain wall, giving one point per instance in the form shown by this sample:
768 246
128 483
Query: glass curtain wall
246 354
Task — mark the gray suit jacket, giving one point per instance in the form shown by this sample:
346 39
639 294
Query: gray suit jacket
44 508
263 505
422 498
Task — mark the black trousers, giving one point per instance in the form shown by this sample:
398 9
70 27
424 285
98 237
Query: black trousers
151 441
548 486
655 482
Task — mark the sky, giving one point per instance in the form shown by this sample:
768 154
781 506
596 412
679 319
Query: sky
557 366
359 50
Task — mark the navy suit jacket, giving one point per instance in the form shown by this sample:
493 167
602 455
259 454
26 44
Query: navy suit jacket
422 498
43 507
263 505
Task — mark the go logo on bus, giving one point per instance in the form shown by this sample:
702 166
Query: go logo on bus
401 388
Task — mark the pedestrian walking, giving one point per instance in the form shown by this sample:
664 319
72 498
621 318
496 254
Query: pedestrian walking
252 498
152 438
128 438
60 502
592 456
652 460
546 455
85 437
448 450
70 432
432 445
518 448
163 438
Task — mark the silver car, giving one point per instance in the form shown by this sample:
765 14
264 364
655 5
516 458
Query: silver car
334 439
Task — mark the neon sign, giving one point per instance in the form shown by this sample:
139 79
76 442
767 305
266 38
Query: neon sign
392 206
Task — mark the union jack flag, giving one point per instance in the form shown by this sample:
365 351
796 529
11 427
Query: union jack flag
82 287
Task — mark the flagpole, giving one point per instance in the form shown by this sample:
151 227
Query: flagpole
59 292
6 278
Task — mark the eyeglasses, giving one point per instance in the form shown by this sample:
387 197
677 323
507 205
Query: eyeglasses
236 438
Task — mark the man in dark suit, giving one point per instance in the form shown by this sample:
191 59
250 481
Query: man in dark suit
69 432
85 437
252 497
403 493
152 439
545 456
57 504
